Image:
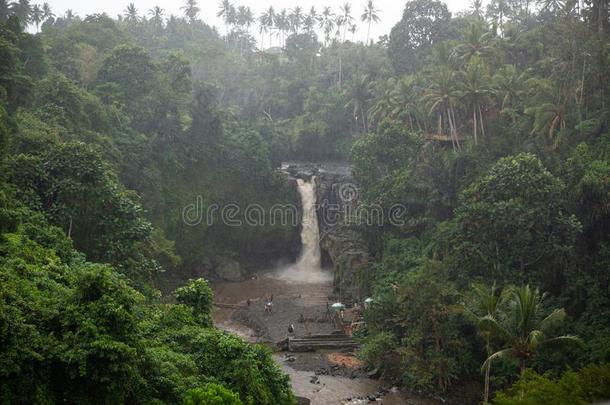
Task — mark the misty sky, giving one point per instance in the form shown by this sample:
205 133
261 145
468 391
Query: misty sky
391 10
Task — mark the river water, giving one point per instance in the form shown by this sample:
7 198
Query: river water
301 294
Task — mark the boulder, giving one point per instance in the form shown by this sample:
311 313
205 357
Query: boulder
230 270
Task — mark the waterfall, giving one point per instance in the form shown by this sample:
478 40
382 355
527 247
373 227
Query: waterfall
309 261
308 267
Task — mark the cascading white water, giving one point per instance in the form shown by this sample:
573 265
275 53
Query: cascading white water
309 261
308 267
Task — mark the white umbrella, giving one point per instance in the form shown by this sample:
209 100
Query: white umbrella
368 300
337 305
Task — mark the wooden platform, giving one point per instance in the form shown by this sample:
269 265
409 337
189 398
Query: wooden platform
442 137
313 342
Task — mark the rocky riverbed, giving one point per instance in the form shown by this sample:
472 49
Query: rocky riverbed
323 377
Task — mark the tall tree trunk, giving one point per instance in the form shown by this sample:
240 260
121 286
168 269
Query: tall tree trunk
368 32
474 122
482 126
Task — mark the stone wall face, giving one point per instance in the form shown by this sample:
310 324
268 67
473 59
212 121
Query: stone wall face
343 245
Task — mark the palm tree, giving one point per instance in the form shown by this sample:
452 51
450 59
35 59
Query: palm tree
296 19
551 6
487 302
442 96
359 94
370 14
475 85
47 12
266 21
36 16
5 10
22 10
131 14
346 18
476 41
327 23
282 24
352 30
244 17
69 15
156 14
496 11
525 328
191 10
224 11
309 22
510 87
476 9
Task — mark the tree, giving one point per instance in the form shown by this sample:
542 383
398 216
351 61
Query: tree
22 10
475 85
487 302
359 93
190 10
296 19
441 96
510 88
526 328
345 19
47 12
156 14
5 11
475 42
423 24
311 20
327 23
266 23
512 224
224 10
211 394
370 15
36 16
131 14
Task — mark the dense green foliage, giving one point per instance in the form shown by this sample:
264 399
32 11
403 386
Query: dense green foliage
493 134
117 135
586 386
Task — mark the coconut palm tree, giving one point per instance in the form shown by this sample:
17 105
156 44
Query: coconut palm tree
383 100
190 10
476 89
69 14
156 15
476 9
309 22
525 328
282 24
47 12
487 302
5 10
352 30
36 16
266 22
327 23
345 19
359 95
442 96
476 41
510 86
131 14
22 10
370 15
224 11
295 19
244 17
